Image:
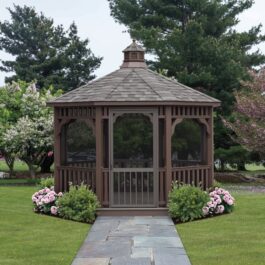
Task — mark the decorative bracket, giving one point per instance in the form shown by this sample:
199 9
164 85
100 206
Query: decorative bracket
62 122
116 115
204 122
175 123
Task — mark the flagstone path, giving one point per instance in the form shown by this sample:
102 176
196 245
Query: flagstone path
134 240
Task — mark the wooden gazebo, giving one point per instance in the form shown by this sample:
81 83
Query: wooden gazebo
130 134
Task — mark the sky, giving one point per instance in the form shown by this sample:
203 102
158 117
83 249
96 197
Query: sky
107 38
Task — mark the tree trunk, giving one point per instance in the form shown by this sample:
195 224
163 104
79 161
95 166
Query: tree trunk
222 166
241 166
46 164
10 163
32 172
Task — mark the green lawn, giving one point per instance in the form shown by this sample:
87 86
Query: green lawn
26 181
19 166
233 239
27 238
254 167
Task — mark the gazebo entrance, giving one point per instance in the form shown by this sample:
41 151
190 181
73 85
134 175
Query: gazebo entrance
133 159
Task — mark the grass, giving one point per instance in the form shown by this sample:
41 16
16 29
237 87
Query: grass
251 168
26 181
19 166
28 238
254 167
237 238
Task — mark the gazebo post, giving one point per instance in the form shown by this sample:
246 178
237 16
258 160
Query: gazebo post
210 150
57 152
168 135
99 154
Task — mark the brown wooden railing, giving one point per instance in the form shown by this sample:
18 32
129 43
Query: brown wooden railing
105 175
162 188
133 187
76 175
195 175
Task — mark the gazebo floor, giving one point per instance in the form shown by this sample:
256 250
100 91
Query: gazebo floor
132 212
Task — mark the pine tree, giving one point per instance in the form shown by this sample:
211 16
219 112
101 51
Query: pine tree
45 52
195 41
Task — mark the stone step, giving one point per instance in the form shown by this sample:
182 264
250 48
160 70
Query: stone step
132 212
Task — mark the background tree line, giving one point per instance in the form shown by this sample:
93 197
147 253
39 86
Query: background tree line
47 58
194 41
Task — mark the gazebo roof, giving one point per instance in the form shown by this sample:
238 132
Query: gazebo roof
134 83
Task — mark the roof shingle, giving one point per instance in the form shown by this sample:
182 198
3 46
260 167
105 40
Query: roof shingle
134 85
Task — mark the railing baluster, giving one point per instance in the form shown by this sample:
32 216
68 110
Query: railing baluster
142 180
119 199
148 197
124 187
130 187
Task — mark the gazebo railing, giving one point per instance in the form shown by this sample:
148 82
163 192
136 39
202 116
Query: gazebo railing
162 187
76 176
194 175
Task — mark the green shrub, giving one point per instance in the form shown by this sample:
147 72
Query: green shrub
79 204
186 202
47 182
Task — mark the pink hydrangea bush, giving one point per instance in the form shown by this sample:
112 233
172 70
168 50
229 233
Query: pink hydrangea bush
45 201
221 201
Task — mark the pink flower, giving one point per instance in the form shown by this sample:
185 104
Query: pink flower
205 210
219 192
54 210
212 193
51 198
50 153
230 202
226 198
221 208
60 194
45 200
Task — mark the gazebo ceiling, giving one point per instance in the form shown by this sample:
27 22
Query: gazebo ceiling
134 83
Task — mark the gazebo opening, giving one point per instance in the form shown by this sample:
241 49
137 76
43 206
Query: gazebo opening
133 141
187 144
130 134
81 146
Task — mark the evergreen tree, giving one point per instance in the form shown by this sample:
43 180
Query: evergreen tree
45 52
195 41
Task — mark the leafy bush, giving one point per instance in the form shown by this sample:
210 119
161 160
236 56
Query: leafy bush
79 204
47 182
220 202
45 201
186 202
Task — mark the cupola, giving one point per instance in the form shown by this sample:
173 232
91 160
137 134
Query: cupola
134 56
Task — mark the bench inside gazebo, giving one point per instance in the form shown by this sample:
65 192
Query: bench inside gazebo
129 134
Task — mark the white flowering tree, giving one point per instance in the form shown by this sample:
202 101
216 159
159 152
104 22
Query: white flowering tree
10 99
30 140
28 136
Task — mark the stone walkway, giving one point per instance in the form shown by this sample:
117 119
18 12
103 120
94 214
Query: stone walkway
132 241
